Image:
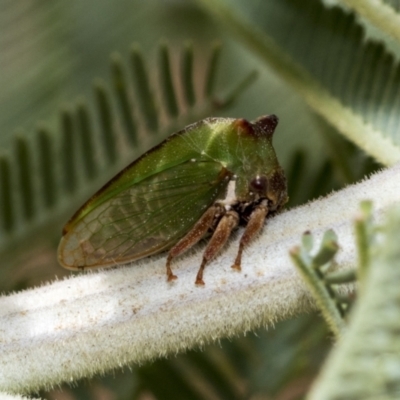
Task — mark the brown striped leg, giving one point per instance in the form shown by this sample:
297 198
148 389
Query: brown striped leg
253 227
221 234
192 237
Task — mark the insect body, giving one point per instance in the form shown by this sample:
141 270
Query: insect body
208 178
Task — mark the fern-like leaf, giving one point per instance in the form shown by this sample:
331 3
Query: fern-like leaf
323 53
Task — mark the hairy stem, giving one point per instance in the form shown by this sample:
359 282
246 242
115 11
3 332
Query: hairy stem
99 321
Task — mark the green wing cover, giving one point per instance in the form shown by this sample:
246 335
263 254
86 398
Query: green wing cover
148 217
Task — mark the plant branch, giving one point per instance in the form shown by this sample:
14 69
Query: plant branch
95 322
7 396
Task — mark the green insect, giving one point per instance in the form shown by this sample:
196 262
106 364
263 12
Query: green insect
206 179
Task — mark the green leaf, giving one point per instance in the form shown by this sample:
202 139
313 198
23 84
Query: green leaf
322 52
311 269
372 336
384 15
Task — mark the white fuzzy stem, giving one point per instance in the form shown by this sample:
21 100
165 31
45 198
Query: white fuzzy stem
95 322
7 396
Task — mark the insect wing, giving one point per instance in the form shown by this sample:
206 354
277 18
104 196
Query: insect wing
145 218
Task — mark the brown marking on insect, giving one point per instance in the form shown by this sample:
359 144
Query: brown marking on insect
243 124
263 126
244 127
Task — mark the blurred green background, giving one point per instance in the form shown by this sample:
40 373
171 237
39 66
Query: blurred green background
50 54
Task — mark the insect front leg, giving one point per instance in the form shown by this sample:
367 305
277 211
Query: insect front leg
192 237
221 234
253 227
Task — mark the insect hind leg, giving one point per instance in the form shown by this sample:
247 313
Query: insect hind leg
221 234
192 237
253 227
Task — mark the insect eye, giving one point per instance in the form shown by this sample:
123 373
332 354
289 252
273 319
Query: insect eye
259 185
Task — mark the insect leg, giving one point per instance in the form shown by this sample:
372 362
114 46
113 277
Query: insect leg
192 237
256 222
221 234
